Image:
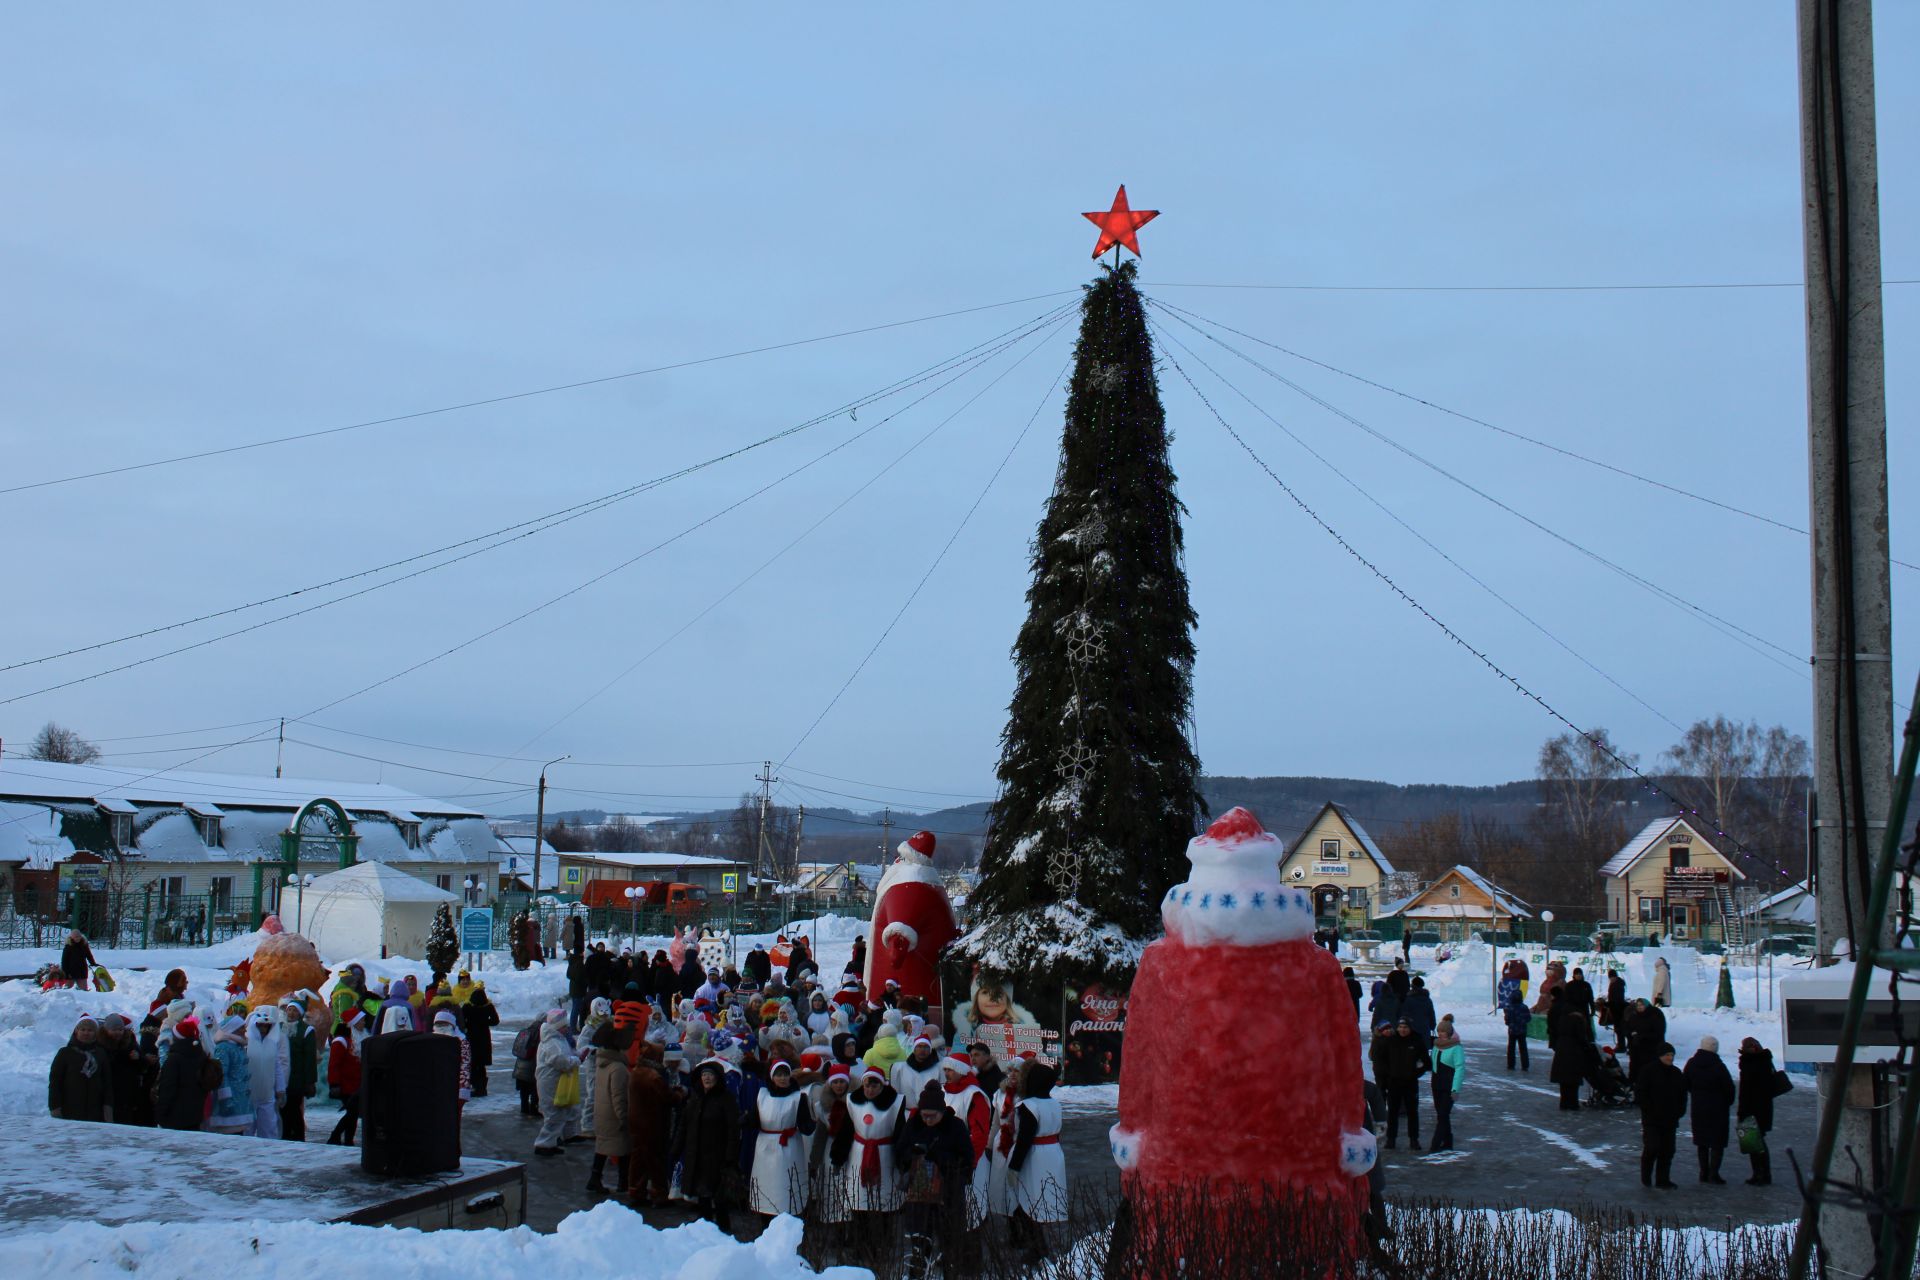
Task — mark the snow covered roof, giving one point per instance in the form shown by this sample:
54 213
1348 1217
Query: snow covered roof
106 785
379 882
1651 837
650 860
30 835
1504 902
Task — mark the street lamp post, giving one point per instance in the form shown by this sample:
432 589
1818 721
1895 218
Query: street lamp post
299 884
634 895
540 821
1546 919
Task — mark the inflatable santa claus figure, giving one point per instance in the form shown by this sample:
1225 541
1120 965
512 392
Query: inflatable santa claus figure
1290 1127
912 923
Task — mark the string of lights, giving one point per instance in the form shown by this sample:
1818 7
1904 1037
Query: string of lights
937 559
509 534
1739 847
1029 331
966 366
1506 288
1795 663
517 395
1478 581
738 586
1496 427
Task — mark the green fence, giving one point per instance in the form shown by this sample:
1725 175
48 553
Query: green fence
740 916
111 918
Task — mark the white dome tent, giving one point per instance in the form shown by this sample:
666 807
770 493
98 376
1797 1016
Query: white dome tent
371 909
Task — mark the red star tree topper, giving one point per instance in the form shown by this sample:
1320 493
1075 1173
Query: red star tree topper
1118 224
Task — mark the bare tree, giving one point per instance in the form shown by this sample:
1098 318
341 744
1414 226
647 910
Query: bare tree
565 839
61 745
1784 771
1578 775
1713 761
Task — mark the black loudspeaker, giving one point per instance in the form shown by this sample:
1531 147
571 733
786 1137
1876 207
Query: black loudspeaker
410 1103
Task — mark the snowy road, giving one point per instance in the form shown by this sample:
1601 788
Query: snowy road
1516 1147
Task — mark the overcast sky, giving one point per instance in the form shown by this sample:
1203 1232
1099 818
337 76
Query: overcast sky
267 225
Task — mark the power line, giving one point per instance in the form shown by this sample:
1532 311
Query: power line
1505 431
919 586
861 782
1430 544
697 525
1501 288
182 733
768 563
494 755
1727 627
516 395
964 365
1449 632
537 525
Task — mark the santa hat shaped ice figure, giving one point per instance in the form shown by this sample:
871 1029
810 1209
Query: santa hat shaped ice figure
912 923
1294 1129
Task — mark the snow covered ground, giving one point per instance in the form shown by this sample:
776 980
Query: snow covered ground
1463 986
605 1240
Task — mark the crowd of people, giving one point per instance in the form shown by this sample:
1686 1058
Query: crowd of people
1409 1041
756 1090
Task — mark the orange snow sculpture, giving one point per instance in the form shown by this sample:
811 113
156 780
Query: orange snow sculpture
284 963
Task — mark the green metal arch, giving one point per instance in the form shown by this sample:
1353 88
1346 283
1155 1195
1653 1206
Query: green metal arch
339 830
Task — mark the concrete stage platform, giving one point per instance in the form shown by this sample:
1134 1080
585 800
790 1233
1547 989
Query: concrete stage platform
58 1171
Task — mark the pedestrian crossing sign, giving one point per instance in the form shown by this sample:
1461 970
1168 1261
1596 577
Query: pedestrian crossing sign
571 875
729 882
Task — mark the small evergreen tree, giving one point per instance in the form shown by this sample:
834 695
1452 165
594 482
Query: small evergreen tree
1723 998
443 944
1098 779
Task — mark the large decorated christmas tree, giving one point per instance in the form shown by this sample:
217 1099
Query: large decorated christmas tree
1098 778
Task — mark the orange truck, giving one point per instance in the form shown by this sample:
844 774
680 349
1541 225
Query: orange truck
681 901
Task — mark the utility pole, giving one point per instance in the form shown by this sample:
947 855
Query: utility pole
760 852
886 833
1852 614
280 751
539 823
799 827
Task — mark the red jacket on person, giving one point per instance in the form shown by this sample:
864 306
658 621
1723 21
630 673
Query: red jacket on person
343 1067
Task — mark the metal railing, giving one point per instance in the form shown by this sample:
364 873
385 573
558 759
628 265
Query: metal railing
132 918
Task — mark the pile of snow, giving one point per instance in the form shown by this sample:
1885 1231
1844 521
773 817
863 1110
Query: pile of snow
604 1240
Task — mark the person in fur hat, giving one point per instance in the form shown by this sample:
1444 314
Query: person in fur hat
708 1144
80 1084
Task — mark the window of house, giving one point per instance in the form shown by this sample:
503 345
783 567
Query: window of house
445 882
1453 891
1679 856
1357 899
410 832
171 889
209 830
1650 911
220 893
120 830
1329 848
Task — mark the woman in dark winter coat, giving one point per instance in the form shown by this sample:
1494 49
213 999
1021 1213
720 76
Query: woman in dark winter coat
149 1072
662 981
76 959
123 1056
1661 1092
650 1101
181 1096
1710 1094
692 974
478 1019
80 1085
934 1156
1646 1032
708 1145
1617 1008
1574 1056
857 965
1755 1103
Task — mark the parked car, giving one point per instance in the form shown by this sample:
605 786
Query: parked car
1629 943
1781 945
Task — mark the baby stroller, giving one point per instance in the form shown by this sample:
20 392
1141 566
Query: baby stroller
1607 1084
